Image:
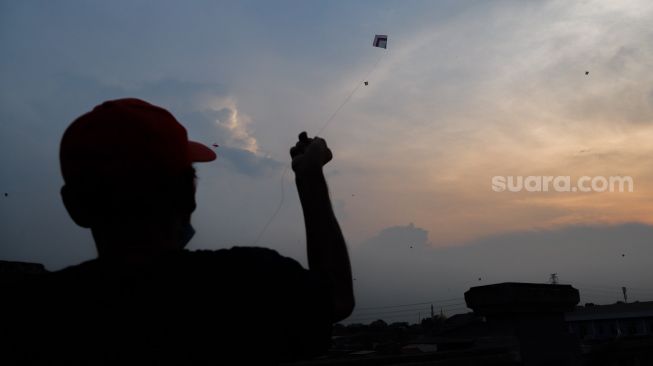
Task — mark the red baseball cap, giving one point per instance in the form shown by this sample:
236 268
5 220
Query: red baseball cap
122 137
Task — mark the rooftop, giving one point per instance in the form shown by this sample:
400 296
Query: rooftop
619 310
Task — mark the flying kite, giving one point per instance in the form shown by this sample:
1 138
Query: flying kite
381 41
215 145
587 72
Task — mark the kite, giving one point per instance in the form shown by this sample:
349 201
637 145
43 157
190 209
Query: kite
587 72
380 40
215 145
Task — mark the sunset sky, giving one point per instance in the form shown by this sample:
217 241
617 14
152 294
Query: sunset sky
465 91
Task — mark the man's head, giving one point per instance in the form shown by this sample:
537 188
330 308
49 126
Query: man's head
127 167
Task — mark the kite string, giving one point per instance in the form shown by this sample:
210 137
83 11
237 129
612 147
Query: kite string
276 212
324 126
353 91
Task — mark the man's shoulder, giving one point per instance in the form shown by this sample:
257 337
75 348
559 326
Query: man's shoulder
88 266
241 257
237 257
235 251
85 271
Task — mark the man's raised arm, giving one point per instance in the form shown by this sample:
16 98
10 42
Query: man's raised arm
325 244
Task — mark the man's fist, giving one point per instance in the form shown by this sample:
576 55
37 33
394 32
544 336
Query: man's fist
309 155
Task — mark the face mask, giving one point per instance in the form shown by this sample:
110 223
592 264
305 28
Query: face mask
187 232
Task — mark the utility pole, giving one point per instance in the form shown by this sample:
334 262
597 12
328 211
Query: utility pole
623 289
553 279
431 311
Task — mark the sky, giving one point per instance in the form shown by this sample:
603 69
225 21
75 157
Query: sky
465 91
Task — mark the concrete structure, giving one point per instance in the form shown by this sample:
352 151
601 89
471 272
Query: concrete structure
532 315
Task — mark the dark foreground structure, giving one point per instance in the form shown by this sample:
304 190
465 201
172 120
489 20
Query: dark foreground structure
532 317
511 324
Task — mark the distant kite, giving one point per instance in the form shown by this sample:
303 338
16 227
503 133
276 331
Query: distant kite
215 145
587 72
380 41
366 83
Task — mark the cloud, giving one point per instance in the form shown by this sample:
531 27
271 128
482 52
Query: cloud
217 120
248 163
398 266
396 238
232 125
500 89
466 90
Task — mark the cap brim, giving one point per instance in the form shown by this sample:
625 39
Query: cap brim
199 153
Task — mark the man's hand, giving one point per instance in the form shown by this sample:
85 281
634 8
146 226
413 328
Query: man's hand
309 155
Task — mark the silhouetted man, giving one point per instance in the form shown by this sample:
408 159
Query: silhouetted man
127 167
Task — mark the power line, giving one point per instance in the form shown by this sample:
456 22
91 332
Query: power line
423 308
582 289
617 288
378 318
391 312
417 303
393 316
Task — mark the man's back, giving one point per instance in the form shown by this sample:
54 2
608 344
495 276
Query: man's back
240 304
129 178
